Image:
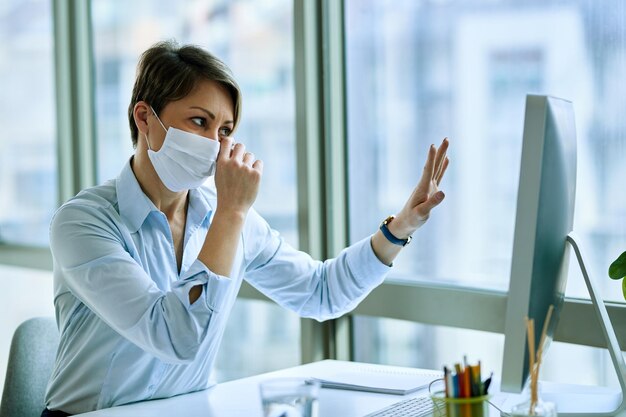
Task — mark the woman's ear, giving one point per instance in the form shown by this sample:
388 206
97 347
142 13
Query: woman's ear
141 111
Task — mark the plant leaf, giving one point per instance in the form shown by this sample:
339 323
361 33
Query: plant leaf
617 270
624 288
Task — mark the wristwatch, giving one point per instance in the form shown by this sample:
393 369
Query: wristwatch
390 237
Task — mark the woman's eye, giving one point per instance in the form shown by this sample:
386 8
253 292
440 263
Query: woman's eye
199 121
225 131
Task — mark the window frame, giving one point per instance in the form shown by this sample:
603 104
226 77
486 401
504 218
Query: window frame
321 136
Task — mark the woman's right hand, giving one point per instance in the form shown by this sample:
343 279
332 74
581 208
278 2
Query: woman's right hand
237 177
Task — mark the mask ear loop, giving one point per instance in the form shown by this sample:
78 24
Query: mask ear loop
160 122
148 142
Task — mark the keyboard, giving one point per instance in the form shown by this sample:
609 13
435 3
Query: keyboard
412 407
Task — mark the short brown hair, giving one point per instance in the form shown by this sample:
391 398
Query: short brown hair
168 72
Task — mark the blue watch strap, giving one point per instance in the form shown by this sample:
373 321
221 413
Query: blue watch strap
390 237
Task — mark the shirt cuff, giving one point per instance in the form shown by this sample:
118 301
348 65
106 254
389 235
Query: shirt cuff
365 264
214 291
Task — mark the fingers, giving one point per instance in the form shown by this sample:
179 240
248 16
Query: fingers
433 201
226 145
248 158
231 150
239 149
430 164
440 158
426 194
436 163
258 165
444 166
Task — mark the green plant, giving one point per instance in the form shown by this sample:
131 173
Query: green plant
617 270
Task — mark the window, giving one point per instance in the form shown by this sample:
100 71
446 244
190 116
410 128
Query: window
257 326
430 347
28 164
416 71
254 38
462 70
425 346
420 71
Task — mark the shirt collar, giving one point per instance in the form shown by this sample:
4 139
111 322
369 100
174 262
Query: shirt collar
135 206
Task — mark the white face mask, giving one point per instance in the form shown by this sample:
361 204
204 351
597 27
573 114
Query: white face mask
185 160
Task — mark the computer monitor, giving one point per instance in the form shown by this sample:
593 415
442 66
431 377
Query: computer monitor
544 218
543 237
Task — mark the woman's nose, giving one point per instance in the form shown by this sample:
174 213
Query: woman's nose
214 134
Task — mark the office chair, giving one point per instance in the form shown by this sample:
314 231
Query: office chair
32 355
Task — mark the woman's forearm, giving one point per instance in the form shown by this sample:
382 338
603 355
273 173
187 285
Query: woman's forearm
220 246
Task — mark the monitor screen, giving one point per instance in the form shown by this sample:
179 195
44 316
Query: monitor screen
544 217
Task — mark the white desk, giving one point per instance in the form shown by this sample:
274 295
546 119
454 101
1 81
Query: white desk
241 398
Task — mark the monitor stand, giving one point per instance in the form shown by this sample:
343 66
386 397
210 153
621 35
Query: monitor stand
609 334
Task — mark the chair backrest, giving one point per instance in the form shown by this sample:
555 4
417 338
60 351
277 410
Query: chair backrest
31 359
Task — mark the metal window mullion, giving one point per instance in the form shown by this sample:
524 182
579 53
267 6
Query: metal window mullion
335 147
321 143
309 128
335 126
63 76
74 96
26 256
84 83
309 148
483 310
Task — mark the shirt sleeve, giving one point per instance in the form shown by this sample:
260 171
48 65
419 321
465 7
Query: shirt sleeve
311 288
89 253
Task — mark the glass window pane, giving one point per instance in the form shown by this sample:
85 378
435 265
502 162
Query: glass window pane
258 326
419 70
254 38
403 343
28 156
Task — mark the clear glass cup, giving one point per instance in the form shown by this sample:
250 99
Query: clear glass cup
290 397
542 408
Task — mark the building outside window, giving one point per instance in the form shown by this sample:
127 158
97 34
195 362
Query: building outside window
418 71
28 164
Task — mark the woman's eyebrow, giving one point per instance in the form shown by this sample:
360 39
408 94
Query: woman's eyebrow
211 115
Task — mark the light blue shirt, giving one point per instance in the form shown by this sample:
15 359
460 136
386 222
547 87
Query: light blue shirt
128 332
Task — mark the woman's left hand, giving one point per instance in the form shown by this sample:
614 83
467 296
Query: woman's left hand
425 196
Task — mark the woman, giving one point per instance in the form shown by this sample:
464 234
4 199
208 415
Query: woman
147 266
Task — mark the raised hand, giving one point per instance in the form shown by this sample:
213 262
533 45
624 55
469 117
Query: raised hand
426 194
237 177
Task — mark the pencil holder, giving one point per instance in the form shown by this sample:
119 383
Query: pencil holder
460 407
